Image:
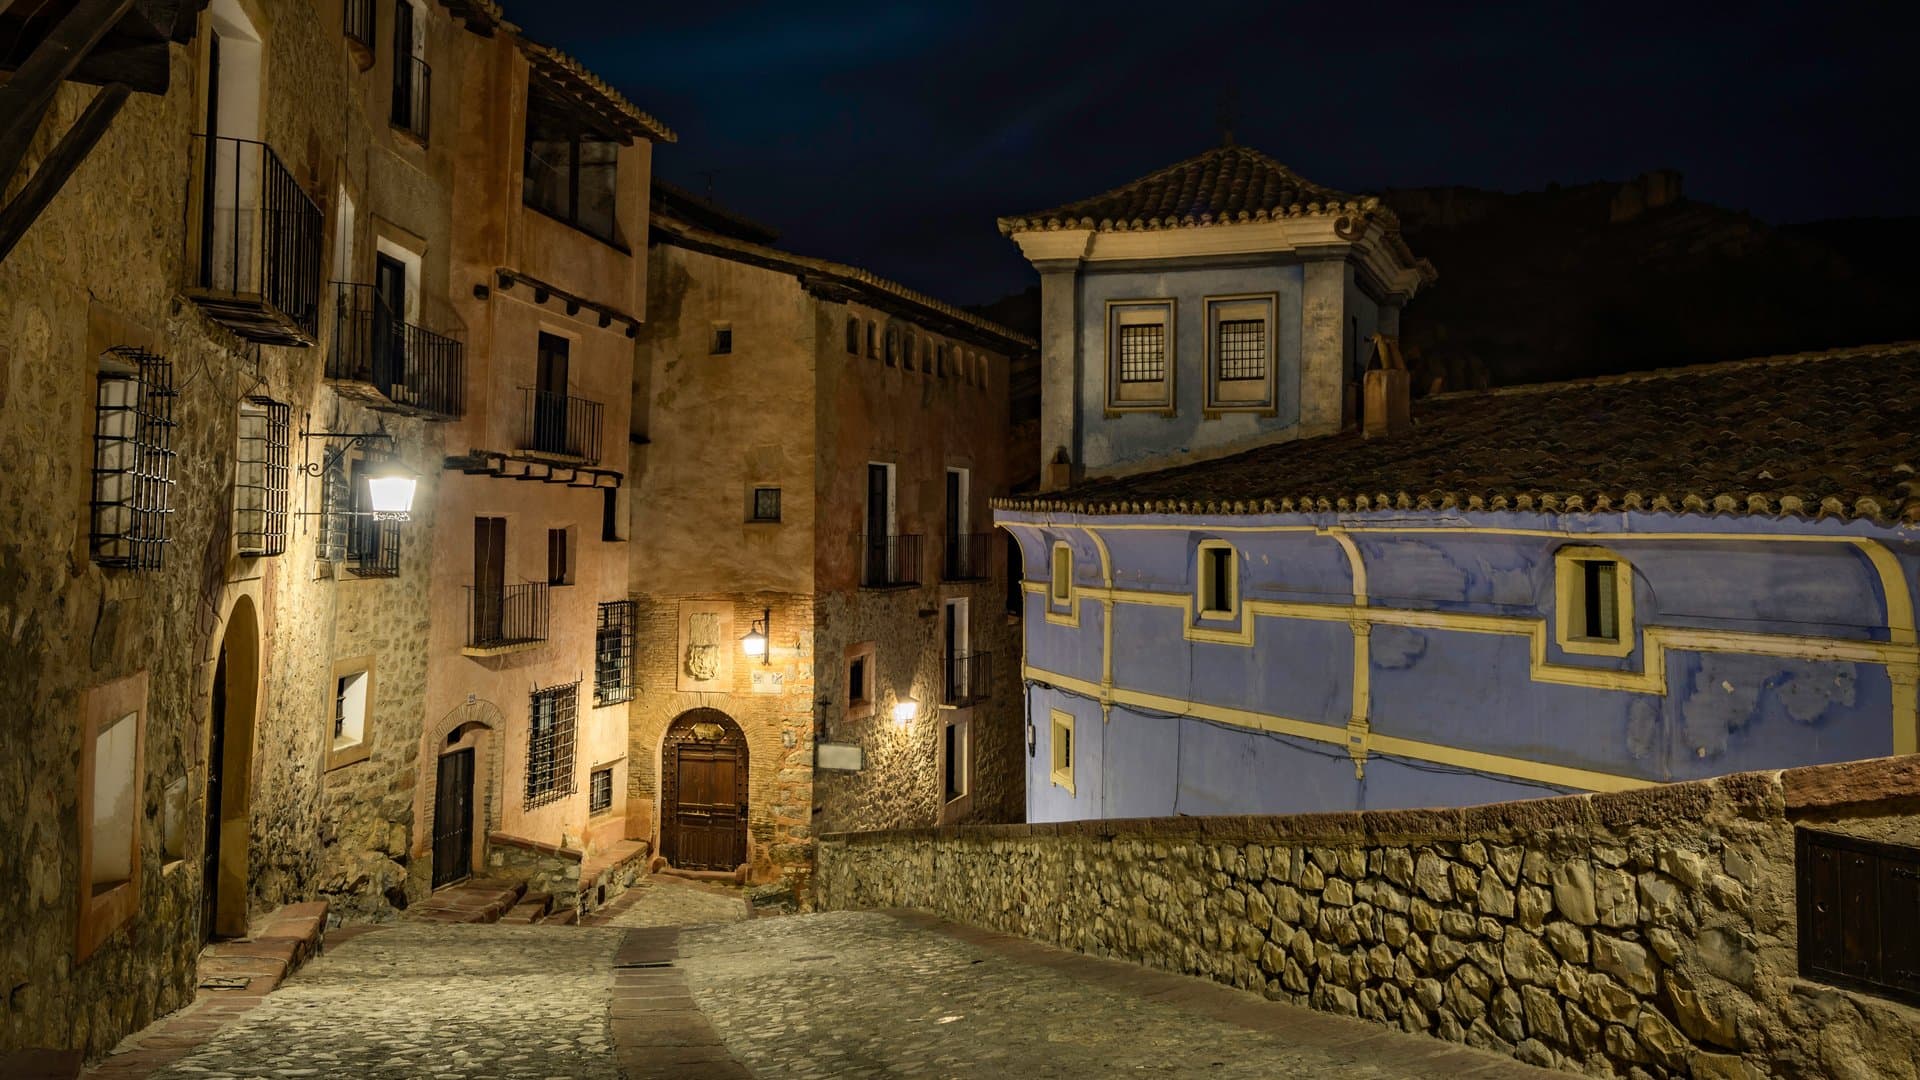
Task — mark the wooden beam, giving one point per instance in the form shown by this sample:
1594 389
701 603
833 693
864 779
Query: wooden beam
26 96
51 176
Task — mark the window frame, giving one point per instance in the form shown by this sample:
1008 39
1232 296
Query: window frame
595 807
616 621
1569 573
720 339
578 131
266 523
863 653
340 754
1118 400
1215 310
144 459
1206 580
101 914
1060 765
1059 584
563 735
956 734
560 560
754 516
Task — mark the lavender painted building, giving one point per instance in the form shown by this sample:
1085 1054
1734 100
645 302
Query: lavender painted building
1579 586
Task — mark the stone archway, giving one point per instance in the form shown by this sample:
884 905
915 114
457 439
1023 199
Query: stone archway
471 729
229 758
703 789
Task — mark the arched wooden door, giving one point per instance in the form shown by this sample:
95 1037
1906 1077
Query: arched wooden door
704 799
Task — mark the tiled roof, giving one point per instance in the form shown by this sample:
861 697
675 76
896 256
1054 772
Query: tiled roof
1225 184
593 92
1816 435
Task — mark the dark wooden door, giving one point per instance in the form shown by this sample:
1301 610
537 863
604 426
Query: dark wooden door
489 577
453 819
705 827
878 491
550 397
216 766
389 319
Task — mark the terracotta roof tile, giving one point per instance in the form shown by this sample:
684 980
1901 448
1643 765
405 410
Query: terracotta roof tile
1826 434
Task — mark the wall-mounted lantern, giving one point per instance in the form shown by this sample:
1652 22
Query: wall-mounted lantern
390 486
755 643
904 710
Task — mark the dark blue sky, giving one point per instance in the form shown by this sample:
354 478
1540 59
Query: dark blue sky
892 135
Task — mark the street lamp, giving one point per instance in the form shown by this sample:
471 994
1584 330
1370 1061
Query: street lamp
904 710
390 491
755 643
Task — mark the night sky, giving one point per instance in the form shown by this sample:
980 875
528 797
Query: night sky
891 136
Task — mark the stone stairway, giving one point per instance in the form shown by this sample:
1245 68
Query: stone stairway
275 947
477 900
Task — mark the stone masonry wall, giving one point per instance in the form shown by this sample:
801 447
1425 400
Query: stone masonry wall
1649 933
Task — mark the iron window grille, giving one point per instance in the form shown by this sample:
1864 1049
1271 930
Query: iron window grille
132 459
260 477
373 545
550 744
600 791
358 19
613 654
1143 353
1243 348
766 504
336 508
1856 900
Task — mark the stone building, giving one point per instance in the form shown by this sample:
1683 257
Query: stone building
228 319
823 634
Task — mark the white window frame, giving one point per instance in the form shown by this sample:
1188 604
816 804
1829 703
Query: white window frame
1061 751
353 743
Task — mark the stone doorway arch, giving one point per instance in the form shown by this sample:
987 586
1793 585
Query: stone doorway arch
472 728
703 804
232 709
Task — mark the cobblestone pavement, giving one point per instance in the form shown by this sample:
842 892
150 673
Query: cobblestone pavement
667 901
428 1000
862 994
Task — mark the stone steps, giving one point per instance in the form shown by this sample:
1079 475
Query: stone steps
477 900
532 908
275 948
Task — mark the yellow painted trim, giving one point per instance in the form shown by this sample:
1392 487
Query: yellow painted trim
1201 579
1520 768
1568 590
1059 775
1359 717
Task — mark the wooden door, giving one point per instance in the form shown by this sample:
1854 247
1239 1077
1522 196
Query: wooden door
489 577
706 797
216 767
389 319
550 397
453 819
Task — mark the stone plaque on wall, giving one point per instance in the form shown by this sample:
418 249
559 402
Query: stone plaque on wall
845 757
704 662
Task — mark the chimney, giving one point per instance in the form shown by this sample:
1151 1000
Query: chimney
1388 396
1058 473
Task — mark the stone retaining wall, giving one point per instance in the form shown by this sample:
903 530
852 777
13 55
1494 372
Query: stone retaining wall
546 868
1649 933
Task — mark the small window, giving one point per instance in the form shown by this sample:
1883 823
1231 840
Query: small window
1240 339
857 682
550 731
940 360
908 351
112 771
872 353
612 516
862 674
893 347
132 459
1594 602
722 340
1219 580
613 654
600 790
559 557
953 759
766 504
1061 751
350 709
260 477
853 335
1060 589
1140 354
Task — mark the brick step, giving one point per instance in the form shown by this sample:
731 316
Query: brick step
477 900
532 908
274 948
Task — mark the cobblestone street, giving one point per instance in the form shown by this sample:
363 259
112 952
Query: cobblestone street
676 984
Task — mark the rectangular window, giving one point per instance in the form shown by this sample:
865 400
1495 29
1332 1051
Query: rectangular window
1060 588
132 459
336 507
373 546
871 351
1856 901
613 654
411 77
1060 750
260 477
112 771
1599 616
954 760
1594 601
350 710
722 341
853 335
550 730
570 165
559 557
766 504
1240 338
863 676
610 517
857 682
1140 355
114 768
1219 580
600 790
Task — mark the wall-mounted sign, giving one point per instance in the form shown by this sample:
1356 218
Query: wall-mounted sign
844 757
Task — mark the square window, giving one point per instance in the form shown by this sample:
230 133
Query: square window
1061 751
350 709
722 341
766 504
1140 354
600 790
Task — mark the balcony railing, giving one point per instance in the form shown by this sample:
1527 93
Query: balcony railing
888 561
967 558
257 264
358 20
414 368
558 425
967 679
504 615
412 96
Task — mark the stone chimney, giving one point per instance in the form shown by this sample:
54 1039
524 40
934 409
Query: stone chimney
1388 397
1058 472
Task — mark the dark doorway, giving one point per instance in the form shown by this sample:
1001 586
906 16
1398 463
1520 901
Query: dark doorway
211 166
216 766
489 577
389 322
878 555
453 819
550 396
705 826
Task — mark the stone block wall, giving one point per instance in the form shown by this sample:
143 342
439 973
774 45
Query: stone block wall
1649 933
546 868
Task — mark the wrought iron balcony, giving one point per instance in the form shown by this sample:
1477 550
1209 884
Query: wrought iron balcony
559 425
967 557
889 561
411 369
967 679
357 22
412 96
502 616
257 243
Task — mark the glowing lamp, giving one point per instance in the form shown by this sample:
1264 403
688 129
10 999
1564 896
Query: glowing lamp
755 643
905 710
391 490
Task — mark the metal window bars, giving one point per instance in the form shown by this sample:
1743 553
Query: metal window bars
373 545
260 477
550 731
133 454
1143 353
968 679
600 791
412 96
613 654
887 561
409 365
559 425
1243 349
502 615
336 509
